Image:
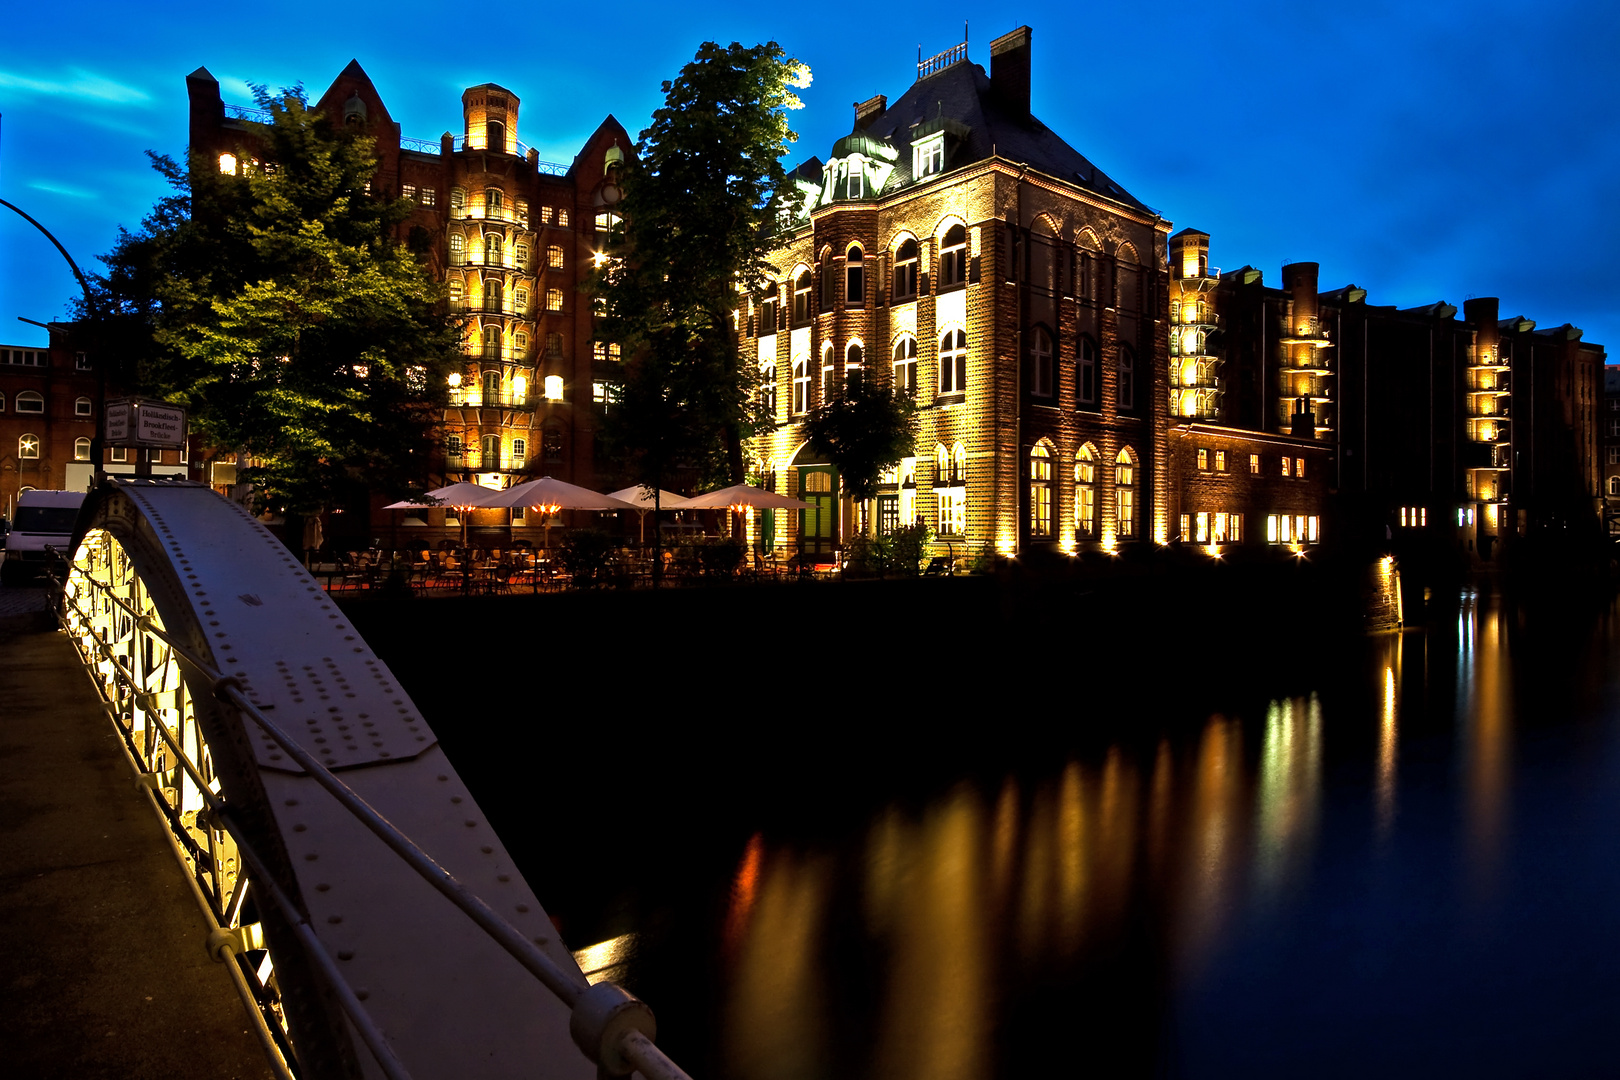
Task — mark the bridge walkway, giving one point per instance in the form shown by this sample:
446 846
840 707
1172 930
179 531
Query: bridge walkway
103 971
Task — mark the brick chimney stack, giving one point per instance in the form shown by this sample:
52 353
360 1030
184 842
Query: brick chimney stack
1009 70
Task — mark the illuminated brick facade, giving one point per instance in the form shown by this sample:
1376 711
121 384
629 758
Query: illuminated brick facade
511 237
953 245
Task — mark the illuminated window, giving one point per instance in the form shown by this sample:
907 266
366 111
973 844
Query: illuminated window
553 388
429 196
227 164
928 156
492 247
604 393
1085 493
1254 464
520 301
1200 527
456 295
81 449
520 453
554 257
1125 493
520 341
905 271
408 191
854 369
1288 466
458 199
28 447
950 490
1040 362
30 401
458 247
1299 468
1086 373
1127 377
953 363
562 217
599 351
767 386
905 365
801 297
854 278
492 387
953 257
554 300
522 212
1203 458
520 253
1614 485
489 452
1220 461
83 407
801 385
1040 491
607 223
826 373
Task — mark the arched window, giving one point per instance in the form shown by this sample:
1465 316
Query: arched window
494 203
458 199
767 385
1040 491
1085 493
30 401
854 369
492 247
551 443
801 297
826 373
490 451
458 247
953 257
83 407
959 463
1614 485
492 343
28 447
1085 374
854 278
1125 493
495 136
905 365
942 465
801 384
950 489
81 449
492 295
520 453
953 362
905 271
1127 377
1040 362
492 387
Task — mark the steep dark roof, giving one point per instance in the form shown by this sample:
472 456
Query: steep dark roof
962 93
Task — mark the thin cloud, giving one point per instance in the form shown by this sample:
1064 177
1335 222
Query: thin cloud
80 84
63 189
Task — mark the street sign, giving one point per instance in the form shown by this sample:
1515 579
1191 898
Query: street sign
133 422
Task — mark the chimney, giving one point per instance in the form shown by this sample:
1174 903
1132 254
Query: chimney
870 111
1009 70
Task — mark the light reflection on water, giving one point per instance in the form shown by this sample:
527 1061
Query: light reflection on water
1210 838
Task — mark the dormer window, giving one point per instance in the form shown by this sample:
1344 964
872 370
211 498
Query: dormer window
928 156
853 188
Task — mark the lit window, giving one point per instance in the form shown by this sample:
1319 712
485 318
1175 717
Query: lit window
83 407
1125 493
1086 372
950 490
953 362
1220 461
520 252
520 453
554 299
227 164
905 271
545 215
604 393
458 247
1299 468
1040 491
520 301
30 402
1254 464
953 257
520 341
1085 493
490 452
928 156
854 278
492 247
905 365
429 196
1040 362
522 212
767 386
615 354
1203 458
28 447
456 295
408 191
554 388
1287 466
554 257
607 223
494 203
801 385
458 199
599 351
1200 527
562 217
826 373
81 449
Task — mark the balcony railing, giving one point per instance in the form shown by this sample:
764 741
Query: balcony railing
1306 332
1206 318
506 214
473 398
1197 275
491 307
478 461
498 355
494 262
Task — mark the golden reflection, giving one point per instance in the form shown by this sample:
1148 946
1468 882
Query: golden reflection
934 1020
1214 826
744 891
775 1022
1004 849
1036 881
1487 686
1290 790
1071 862
1114 837
1159 809
1384 791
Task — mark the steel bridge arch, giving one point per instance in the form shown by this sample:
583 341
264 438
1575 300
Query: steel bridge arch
394 935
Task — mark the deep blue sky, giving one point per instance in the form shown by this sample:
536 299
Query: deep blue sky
1422 151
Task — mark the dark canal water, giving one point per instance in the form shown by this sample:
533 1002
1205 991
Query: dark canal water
1401 858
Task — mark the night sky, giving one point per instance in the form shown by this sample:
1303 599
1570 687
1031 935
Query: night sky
1422 151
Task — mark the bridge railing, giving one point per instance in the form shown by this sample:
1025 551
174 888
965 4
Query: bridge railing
147 675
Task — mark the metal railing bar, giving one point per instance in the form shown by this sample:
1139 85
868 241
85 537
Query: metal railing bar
374 1039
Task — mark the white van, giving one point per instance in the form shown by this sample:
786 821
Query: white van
44 519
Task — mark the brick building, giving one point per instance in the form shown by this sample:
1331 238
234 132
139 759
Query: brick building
1610 435
512 237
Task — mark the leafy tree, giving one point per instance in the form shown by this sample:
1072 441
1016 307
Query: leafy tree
279 307
863 433
701 197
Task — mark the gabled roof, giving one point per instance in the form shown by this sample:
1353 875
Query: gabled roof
962 93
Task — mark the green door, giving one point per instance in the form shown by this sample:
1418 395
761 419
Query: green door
818 526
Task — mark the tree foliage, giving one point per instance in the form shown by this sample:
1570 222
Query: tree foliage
863 433
701 196
279 307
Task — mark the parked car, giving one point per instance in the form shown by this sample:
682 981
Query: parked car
45 520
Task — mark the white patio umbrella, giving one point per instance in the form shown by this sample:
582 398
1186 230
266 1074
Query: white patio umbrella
460 497
741 498
643 502
549 495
